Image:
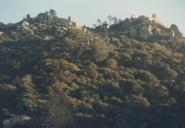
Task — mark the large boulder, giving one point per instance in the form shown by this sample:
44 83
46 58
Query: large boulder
176 30
10 123
144 33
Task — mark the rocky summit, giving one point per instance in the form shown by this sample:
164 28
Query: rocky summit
55 73
45 26
147 28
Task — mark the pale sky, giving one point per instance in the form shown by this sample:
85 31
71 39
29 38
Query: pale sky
88 11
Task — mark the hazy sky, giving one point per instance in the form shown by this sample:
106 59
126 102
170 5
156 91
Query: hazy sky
87 11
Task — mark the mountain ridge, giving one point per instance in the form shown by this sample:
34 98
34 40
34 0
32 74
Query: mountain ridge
140 27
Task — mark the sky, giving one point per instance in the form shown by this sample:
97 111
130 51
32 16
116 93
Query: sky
88 11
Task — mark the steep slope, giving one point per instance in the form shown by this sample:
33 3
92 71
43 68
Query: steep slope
115 81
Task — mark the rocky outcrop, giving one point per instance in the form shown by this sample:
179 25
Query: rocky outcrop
147 28
46 26
175 31
1 34
10 123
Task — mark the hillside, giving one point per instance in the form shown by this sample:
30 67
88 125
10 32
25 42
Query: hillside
130 74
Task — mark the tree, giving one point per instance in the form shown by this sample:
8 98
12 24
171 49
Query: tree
112 20
28 17
52 12
58 113
102 27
